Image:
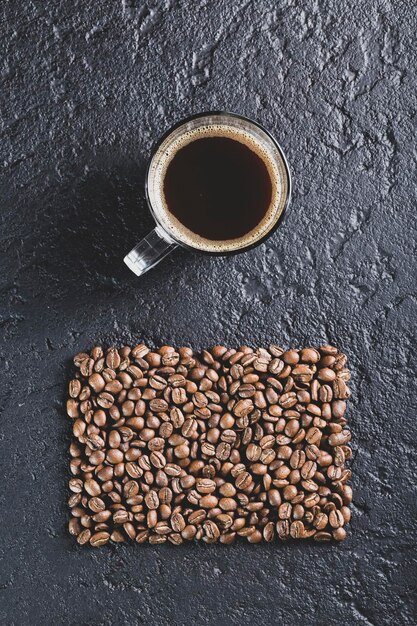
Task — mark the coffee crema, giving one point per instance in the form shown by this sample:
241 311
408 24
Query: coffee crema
218 189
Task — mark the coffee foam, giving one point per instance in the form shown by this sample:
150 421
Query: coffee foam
269 155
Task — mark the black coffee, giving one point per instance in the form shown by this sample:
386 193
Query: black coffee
218 188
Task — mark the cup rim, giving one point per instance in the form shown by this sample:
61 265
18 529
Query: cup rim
271 231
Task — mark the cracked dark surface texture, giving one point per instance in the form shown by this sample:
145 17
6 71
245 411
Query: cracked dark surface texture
86 89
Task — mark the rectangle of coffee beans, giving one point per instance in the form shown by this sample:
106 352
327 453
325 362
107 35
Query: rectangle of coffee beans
223 445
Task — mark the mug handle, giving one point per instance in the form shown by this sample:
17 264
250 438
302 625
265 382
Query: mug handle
148 252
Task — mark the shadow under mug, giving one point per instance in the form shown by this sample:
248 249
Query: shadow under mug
164 237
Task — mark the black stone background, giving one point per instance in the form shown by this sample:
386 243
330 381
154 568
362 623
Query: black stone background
86 88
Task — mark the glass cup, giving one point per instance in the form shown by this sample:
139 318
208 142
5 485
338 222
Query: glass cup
165 237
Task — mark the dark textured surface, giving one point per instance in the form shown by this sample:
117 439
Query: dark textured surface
86 89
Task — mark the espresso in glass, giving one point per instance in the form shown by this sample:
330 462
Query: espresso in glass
218 183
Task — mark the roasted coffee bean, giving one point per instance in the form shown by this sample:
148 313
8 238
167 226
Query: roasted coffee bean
178 396
303 396
320 520
97 457
152 500
133 470
211 531
177 522
142 536
85 536
114 456
85 393
339 534
297 529
197 517
297 459
108 374
244 391
189 532
228 504
120 517
73 408
338 408
105 400
76 485
99 539
322 536
276 350
340 389
243 408
175 538
283 529
162 528
224 520
139 351
86 367
158 405
208 501
223 451
326 374
313 436
287 400
336 519
274 497
227 490
157 459
96 382
112 358
74 526
298 511
96 504
269 531
276 366
79 358
74 388
243 480
308 469
310 355
258 469
253 452
284 511
289 492
208 449
284 452
339 439
129 530
205 485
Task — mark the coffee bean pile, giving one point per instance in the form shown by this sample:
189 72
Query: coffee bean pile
172 446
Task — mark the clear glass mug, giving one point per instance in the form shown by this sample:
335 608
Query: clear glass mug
165 237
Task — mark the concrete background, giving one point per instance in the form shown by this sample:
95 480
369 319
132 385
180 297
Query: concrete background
86 88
